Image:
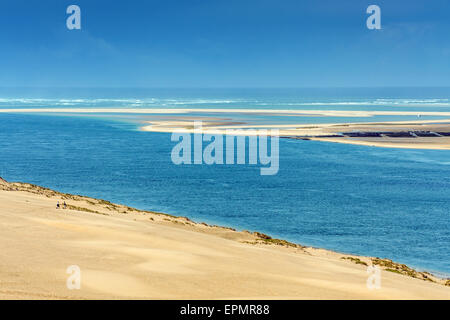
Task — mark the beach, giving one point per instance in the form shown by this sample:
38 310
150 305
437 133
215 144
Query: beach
412 134
425 134
126 253
225 151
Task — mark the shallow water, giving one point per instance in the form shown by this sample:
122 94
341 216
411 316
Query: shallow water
391 203
416 100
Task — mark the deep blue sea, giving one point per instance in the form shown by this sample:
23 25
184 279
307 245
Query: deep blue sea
390 203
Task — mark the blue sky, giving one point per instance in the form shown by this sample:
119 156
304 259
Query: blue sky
207 43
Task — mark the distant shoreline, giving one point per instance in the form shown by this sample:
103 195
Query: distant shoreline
426 134
418 134
309 112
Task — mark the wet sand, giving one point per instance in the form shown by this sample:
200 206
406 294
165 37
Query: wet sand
181 120
426 134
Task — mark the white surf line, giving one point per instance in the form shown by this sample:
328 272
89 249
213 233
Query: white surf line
332 113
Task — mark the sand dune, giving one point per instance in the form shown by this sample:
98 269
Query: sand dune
126 253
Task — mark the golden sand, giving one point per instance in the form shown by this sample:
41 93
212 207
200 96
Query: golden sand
127 253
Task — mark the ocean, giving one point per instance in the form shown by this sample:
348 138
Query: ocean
390 203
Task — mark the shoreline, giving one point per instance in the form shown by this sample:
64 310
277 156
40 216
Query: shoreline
284 112
90 214
426 134
413 134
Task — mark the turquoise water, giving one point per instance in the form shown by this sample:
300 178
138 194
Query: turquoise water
389 203
394 99
416 100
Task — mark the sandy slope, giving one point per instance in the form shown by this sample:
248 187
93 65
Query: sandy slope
125 253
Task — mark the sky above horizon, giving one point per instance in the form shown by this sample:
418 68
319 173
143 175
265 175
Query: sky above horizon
205 43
